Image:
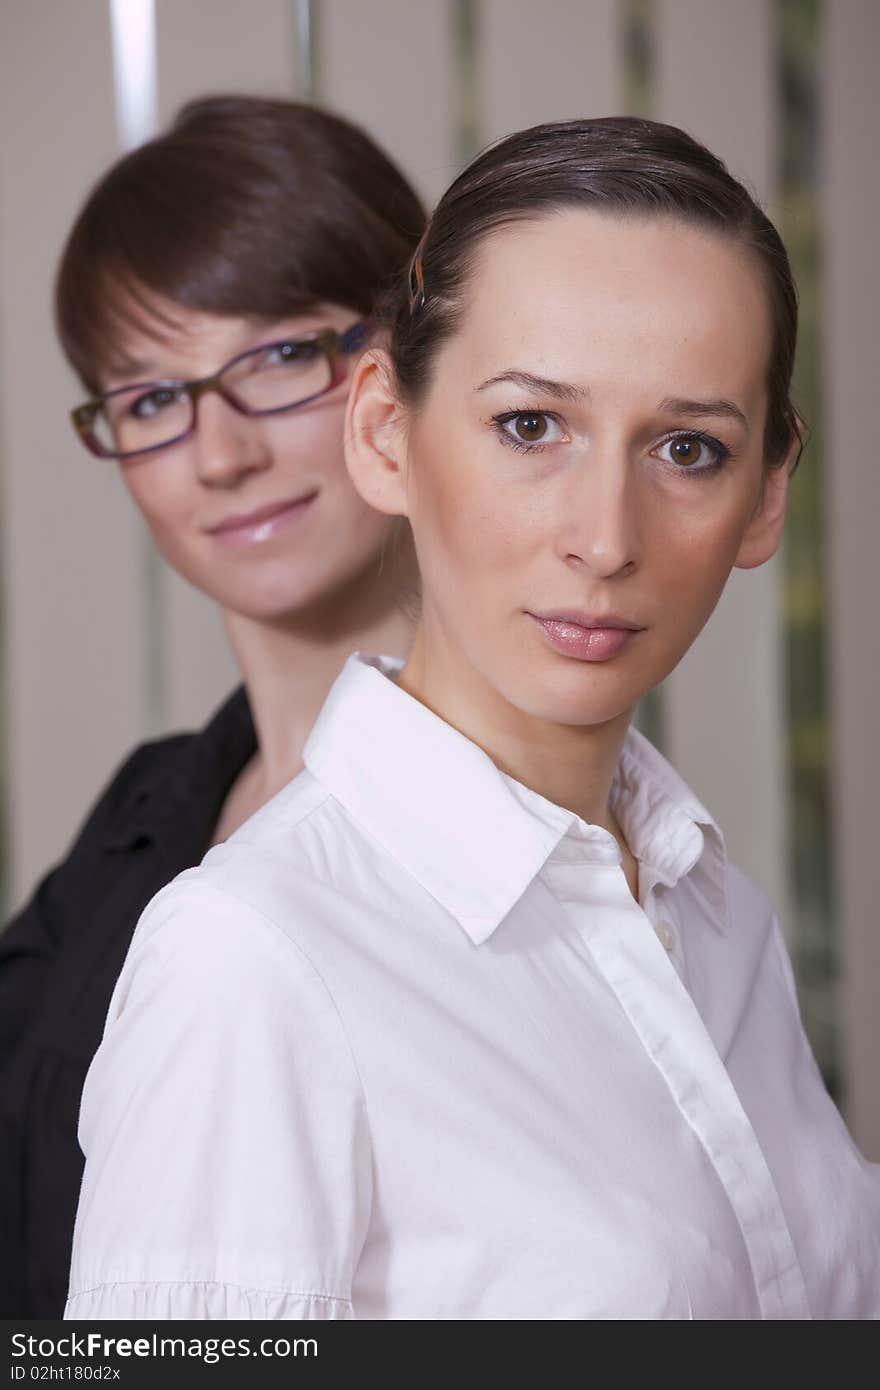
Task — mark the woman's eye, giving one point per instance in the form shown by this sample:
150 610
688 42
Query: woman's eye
152 402
529 427
286 354
693 453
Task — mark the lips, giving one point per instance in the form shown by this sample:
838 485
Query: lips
577 618
247 521
586 636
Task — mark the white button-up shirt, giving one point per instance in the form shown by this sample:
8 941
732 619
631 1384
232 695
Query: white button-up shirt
406 1046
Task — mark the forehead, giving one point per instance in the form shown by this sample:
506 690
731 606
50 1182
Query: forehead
167 339
597 297
160 338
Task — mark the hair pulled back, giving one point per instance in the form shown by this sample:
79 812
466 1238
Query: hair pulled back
624 166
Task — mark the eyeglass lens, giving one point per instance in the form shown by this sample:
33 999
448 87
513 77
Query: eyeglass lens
272 378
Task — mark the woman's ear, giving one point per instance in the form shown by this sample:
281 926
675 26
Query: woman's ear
375 435
764 531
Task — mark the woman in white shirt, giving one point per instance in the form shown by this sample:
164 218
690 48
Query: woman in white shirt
475 1020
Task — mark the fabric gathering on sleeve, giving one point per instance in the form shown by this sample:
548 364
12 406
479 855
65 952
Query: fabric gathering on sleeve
231 1170
202 1301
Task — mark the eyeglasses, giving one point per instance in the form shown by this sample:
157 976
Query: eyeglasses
266 380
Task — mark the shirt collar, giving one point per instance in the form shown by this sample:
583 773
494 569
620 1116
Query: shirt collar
668 828
398 769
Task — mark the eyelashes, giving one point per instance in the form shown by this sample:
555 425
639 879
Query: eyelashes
718 453
532 431
526 418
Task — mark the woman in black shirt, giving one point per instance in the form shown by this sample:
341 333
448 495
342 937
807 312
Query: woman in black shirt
212 297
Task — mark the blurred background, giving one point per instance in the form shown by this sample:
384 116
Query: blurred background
771 715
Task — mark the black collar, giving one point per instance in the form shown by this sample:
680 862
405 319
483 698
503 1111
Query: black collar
175 801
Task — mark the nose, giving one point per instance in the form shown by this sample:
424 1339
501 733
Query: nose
228 447
602 528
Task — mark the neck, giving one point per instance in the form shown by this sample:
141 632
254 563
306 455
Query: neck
571 765
289 664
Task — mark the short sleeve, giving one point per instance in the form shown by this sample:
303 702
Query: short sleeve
227 1153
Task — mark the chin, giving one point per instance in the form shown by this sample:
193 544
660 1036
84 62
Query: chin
272 596
282 592
276 606
583 712
577 697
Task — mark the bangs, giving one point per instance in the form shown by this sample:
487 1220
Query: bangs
137 254
245 208
117 310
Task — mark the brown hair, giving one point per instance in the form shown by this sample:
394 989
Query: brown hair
625 166
245 206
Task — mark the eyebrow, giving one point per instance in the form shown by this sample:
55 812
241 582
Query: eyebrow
563 390
725 409
566 391
138 372
131 370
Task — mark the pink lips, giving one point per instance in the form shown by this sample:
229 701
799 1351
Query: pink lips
251 528
586 636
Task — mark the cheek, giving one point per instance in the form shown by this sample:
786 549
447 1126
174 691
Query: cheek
690 551
308 445
160 495
468 521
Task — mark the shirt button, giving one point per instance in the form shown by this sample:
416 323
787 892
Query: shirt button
666 934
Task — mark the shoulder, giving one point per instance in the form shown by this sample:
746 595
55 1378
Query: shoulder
103 827
131 782
210 932
304 836
301 834
115 816
266 893
225 741
106 851
256 875
206 959
286 818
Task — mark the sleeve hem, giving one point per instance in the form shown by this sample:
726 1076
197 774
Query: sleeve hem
202 1299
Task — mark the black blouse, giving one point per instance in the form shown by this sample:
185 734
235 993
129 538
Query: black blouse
59 960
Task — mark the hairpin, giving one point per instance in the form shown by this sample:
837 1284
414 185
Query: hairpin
416 279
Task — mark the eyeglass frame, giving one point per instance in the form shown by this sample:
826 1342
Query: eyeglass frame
335 346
